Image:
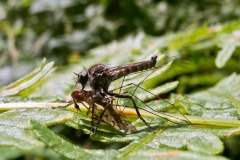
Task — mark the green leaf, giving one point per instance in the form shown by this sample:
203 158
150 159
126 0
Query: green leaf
152 80
10 153
25 83
19 138
220 101
19 118
177 136
16 131
156 145
172 154
158 91
66 148
225 53
197 140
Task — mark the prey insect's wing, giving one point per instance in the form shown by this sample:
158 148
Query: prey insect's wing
102 110
113 118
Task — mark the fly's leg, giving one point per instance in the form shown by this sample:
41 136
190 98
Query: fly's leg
108 101
134 104
157 97
100 118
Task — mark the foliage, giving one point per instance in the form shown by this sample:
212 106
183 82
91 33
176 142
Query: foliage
199 63
26 129
55 28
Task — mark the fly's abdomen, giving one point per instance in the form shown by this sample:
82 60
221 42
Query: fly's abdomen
121 71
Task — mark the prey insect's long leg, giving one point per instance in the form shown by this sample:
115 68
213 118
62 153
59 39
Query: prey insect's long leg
161 112
156 114
76 106
134 104
138 86
66 105
143 80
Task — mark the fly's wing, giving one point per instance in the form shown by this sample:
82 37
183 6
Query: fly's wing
113 119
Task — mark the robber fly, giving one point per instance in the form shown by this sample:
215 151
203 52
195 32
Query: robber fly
99 77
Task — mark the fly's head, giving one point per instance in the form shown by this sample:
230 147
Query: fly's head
82 78
154 59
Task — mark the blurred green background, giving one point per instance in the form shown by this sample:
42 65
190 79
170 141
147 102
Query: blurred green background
63 30
203 36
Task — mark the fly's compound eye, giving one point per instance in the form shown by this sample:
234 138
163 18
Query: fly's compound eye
83 74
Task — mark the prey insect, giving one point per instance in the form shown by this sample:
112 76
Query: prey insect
105 112
102 110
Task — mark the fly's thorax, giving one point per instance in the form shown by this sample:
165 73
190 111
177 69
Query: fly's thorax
97 69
